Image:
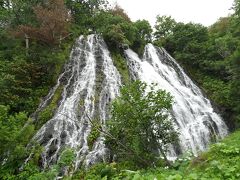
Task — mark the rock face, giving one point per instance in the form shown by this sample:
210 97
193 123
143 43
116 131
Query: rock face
90 82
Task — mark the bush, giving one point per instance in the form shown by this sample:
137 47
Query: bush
140 124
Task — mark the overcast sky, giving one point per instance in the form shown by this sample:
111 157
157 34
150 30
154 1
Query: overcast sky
205 12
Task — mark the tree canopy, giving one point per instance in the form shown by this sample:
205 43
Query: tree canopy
141 122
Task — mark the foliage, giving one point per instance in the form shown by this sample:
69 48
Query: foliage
144 35
144 30
48 112
118 30
83 13
236 8
13 139
188 42
16 12
140 121
53 19
222 161
28 72
24 79
164 26
118 11
121 65
94 134
211 57
115 36
218 90
31 170
235 83
65 162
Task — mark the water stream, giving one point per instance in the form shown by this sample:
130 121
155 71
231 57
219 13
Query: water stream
192 112
90 82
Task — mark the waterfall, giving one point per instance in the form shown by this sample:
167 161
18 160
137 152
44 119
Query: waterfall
192 112
89 82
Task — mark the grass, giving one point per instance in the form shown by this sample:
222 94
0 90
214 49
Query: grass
121 65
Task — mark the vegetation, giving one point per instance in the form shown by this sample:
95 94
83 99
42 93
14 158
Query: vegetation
121 65
140 121
48 112
13 139
210 55
94 134
221 161
37 36
52 19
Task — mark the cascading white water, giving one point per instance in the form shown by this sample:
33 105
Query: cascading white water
88 76
192 113
90 82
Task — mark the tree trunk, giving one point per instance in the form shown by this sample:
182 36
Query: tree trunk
60 40
27 43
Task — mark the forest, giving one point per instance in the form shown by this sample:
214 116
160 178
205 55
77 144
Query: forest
36 39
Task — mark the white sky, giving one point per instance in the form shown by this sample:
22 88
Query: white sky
205 12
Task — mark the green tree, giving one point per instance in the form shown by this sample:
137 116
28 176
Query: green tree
13 139
16 12
143 35
115 36
164 26
115 29
188 43
236 7
144 30
141 122
84 12
235 84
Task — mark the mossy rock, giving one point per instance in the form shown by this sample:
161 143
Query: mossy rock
48 112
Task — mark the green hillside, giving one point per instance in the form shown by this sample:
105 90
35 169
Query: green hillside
36 38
